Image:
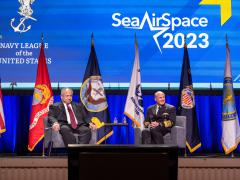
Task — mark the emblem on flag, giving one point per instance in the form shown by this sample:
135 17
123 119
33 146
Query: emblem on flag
92 94
187 98
41 94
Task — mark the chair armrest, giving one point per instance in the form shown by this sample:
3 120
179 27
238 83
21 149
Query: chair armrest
47 136
178 135
93 137
138 135
57 139
181 121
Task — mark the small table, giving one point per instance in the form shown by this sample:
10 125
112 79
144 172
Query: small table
116 124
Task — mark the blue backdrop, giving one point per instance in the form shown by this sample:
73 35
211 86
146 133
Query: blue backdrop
17 111
67 26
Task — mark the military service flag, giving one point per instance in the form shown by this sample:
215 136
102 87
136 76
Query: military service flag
186 104
93 97
133 107
42 98
2 118
230 122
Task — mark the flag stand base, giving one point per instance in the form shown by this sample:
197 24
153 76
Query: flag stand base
43 149
185 152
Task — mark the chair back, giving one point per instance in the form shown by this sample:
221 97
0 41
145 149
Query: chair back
181 121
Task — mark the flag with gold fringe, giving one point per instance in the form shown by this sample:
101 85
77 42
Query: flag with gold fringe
134 103
230 122
93 97
42 98
187 106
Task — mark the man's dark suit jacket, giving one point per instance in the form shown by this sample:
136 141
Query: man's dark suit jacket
57 113
166 108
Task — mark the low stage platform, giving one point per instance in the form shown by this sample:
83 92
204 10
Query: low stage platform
56 168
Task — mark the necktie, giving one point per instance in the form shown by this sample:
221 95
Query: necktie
72 118
158 111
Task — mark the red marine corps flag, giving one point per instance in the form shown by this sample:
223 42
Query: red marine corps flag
42 98
2 119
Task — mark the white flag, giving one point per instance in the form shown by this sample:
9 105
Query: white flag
133 107
230 124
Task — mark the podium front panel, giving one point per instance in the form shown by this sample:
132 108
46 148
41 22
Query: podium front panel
105 162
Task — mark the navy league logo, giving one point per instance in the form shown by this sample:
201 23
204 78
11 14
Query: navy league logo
92 94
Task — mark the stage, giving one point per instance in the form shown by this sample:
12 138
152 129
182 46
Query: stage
56 168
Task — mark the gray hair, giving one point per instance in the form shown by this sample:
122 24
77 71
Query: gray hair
158 92
65 89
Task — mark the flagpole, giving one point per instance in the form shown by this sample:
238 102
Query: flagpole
43 146
185 46
185 152
185 149
42 38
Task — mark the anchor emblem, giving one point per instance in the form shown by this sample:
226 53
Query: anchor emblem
26 11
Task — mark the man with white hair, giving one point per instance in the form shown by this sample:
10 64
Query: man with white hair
160 119
68 118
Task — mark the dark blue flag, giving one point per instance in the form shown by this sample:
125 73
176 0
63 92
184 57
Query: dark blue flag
93 97
186 104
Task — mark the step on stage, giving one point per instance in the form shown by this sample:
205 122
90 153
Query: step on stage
56 168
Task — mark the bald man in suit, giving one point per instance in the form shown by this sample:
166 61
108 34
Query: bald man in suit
68 118
160 119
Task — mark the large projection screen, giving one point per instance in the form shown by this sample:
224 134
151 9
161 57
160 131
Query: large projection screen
160 27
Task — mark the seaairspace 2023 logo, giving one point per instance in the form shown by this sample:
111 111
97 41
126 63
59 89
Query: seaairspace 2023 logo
164 25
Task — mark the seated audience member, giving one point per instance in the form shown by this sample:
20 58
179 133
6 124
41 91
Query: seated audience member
68 117
160 119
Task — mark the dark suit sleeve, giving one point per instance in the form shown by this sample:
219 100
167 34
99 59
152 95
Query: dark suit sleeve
148 115
52 114
83 114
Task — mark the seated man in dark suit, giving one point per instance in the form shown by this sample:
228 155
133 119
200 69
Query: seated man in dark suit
160 118
68 117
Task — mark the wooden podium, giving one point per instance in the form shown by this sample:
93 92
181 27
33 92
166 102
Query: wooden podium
109 162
